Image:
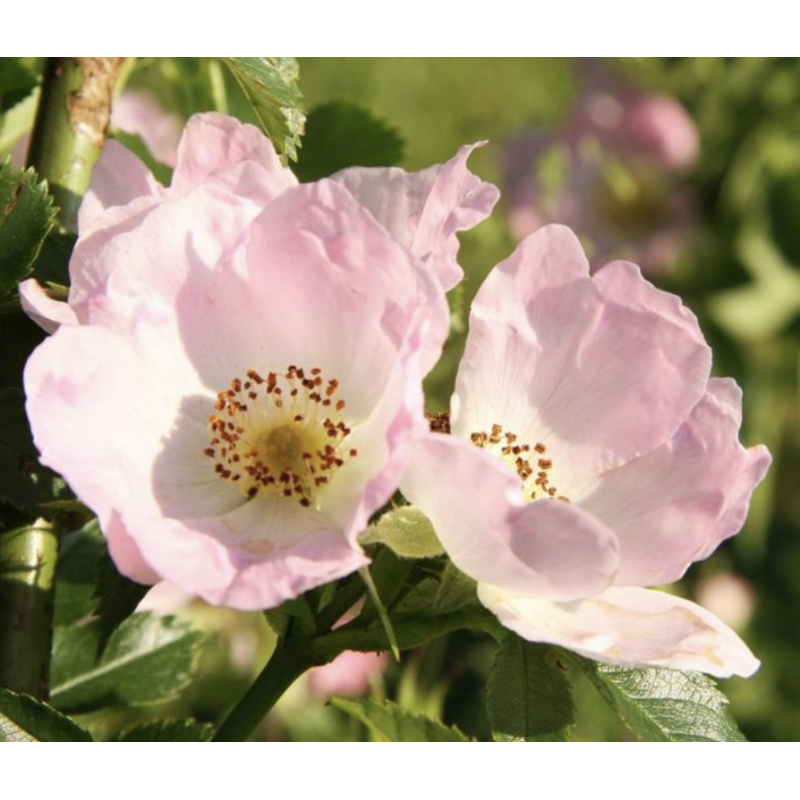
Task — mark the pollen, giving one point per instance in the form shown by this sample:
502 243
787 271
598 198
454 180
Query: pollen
534 472
278 433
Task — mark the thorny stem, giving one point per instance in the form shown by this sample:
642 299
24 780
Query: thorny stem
71 127
69 132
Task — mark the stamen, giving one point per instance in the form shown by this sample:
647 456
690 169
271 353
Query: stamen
535 475
274 438
439 422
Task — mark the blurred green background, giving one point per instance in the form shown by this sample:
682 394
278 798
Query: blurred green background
556 142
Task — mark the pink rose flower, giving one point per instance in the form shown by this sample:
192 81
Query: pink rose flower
232 383
621 154
607 461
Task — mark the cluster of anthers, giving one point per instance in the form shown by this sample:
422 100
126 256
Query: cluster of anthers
528 461
281 433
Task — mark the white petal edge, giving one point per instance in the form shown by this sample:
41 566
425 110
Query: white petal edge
631 627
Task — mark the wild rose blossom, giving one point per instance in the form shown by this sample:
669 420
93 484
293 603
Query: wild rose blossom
620 157
232 383
591 456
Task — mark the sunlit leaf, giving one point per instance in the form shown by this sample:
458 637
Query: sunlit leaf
148 659
23 719
390 723
665 705
406 531
26 217
270 85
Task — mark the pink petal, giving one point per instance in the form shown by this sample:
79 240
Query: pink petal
367 483
675 505
103 228
118 178
622 282
491 533
633 627
372 290
121 283
126 553
98 416
47 313
550 257
424 210
214 559
213 145
597 377
752 463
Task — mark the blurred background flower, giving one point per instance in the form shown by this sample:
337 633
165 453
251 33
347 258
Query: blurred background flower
613 171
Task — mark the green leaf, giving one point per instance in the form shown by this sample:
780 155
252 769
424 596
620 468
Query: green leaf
406 531
167 731
117 597
270 85
456 590
528 695
26 217
410 631
664 705
23 719
390 723
343 134
17 81
148 659
78 556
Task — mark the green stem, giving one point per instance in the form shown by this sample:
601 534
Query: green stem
295 654
291 659
71 127
27 567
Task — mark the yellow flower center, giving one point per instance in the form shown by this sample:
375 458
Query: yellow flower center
282 433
